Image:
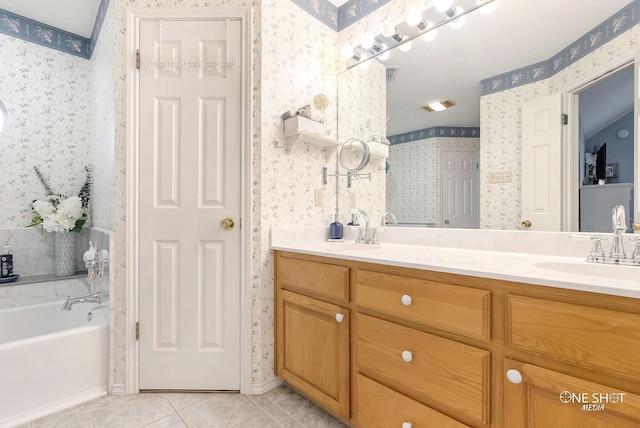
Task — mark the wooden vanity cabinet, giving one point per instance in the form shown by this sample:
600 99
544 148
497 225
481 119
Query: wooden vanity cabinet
417 348
545 398
312 333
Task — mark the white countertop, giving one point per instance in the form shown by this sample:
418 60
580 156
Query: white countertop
554 270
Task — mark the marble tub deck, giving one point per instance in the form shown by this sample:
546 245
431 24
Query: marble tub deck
280 407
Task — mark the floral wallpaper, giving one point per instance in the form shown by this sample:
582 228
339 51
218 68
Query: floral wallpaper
413 180
102 126
48 94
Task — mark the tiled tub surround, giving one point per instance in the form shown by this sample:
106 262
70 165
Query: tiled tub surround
32 248
53 359
521 256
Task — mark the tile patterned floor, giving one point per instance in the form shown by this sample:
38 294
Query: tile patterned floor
278 408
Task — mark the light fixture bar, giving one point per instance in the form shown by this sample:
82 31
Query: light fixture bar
390 30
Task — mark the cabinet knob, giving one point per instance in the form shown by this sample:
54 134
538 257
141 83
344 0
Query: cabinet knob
339 317
406 300
407 425
407 356
514 376
526 224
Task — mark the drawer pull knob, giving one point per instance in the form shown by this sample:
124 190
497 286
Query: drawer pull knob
407 425
407 356
339 317
514 376
406 300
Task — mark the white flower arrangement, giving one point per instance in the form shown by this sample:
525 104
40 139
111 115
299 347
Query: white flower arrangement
58 213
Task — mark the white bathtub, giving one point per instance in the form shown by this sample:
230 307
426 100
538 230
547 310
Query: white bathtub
51 359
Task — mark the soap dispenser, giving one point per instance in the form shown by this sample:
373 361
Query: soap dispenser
335 229
6 262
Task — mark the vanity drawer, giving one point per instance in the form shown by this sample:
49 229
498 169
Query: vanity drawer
318 279
381 407
452 308
594 338
444 374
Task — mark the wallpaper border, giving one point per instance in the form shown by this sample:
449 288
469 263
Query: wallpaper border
434 132
611 28
339 18
29 30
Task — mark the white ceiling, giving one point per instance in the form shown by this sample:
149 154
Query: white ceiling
519 33
74 16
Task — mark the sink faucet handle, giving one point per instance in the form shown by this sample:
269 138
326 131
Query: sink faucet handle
597 250
635 256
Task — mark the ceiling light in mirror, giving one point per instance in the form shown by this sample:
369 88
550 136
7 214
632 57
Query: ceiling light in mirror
385 55
430 35
405 47
488 8
439 105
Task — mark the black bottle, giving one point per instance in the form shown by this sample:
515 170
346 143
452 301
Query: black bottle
6 263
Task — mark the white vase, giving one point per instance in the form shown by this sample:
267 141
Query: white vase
64 253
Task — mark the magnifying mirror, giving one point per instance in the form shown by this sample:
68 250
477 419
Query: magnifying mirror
354 155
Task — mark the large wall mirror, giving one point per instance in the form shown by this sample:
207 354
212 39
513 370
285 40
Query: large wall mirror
467 166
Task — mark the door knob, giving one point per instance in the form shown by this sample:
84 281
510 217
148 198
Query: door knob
446 222
339 317
227 223
526 224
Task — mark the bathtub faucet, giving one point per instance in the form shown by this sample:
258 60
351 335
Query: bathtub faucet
99 297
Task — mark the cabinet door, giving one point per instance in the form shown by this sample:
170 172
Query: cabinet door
313 349
544 398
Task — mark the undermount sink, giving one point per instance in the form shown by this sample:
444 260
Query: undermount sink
630 273
350 246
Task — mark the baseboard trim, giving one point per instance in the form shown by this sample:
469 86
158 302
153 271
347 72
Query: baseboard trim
261 388
119 389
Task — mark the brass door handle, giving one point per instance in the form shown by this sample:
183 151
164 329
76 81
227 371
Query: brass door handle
227 223
526 224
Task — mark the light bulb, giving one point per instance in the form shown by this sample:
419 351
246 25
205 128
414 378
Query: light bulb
367 41
385 56
458 21
346 51
388 29
443 5
488 8
414 16
430 34
405 47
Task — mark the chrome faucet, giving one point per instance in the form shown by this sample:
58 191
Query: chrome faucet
392 218
619 227
368 235
99 297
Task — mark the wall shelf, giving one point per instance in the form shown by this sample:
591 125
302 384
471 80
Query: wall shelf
329 144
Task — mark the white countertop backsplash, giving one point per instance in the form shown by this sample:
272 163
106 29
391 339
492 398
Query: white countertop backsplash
499 254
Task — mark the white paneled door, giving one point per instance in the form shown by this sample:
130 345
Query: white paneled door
541 162
189 186
459 189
